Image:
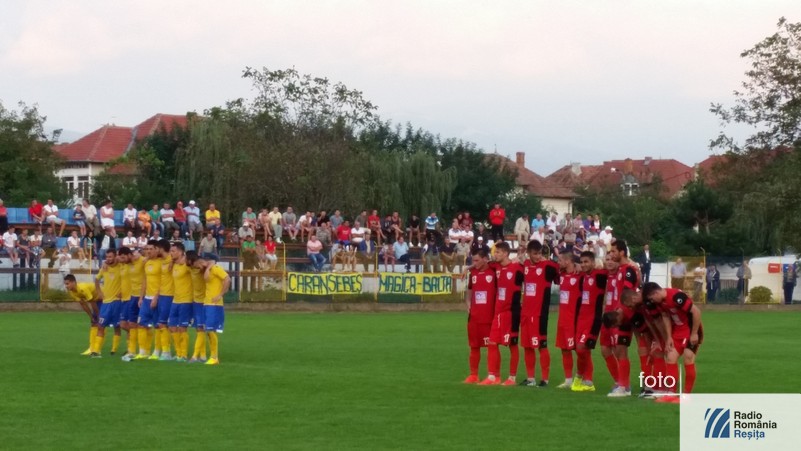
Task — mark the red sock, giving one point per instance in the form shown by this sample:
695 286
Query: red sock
493 361
689 377
588 370
530 358
611 365
673 371
545 363
644 365
514 360
475 358
659 370
624 372
581 363
567 363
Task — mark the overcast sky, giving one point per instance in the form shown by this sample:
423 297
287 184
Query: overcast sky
563 81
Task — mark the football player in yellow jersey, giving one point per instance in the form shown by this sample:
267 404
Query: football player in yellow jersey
199 294
217 284
130 310
90 298
161 351
148 303
181 310
109 276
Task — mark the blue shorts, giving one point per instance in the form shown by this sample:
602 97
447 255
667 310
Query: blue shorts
95 317
215 317
125 310
147 316
180 314
198 315
110 314
164 306
133 312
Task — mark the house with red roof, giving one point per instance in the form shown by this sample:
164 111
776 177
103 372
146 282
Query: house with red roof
87 157
555 198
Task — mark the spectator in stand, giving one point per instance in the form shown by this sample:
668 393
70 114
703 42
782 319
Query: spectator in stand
305 225
50 212
431 255
36 213
552 223
712 283
180 217
324 232
374 225
497 217
343 233
4 218
699 273
263 223
357 236
396 226
578 228
107 222
212 213
401 250
246 231
467 220
645 264
455 232
362 218
80 219
24 249
250 260
269 253
76 250
413 229
49 241
217 231
130 241
743 276
141 242
208 247
129 216
538 235
587 223
678 271
92 222
155 219
462 254
596 225
387 255
249 216
277 223
432 226
789 280
322 218
63 258
482 232
522 230
313 250
36 248
336 220
606 237
176 237
143 222
167 215
537 222
290 223
479 244
387 232
193 223
467 235
447 255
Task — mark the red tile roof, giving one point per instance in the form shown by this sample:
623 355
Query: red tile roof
672 173
100 146
533 182
153 124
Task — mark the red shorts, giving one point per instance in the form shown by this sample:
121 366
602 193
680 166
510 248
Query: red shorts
614 337
530 333
501 332
478 334
566 336
681 341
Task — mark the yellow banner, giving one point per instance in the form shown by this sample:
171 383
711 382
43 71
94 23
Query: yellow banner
420 284
323 284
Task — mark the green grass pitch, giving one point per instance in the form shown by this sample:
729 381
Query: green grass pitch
347 381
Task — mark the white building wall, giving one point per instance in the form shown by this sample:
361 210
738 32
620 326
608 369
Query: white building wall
558 206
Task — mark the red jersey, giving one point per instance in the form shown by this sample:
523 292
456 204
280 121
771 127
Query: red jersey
483 286
343 233
537 280
678 305
569 298
497 216
510 279
373 221
593 287
626 277
35 210
269 246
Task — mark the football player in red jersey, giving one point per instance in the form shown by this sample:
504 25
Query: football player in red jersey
539 273
608 336
480 299
626 277
588 325
506 323
570 280
684 332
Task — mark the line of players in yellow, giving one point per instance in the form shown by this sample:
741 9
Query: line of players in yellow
155 296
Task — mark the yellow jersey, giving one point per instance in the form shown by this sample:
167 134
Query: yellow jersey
214 285
212 215
112 285
167 284
136 270
198 285
125 282
84 292
152 277
182 279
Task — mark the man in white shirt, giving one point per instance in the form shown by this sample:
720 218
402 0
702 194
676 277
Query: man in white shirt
401 250
168 219
50 212
107 219
552 223
10 243
538 235
129 217
193 223
130 241
91 216
522 230
606 237
276 221
357 235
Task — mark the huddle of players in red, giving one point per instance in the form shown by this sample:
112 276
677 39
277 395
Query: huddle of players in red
509 302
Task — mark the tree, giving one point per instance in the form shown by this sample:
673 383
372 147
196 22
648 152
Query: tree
28 161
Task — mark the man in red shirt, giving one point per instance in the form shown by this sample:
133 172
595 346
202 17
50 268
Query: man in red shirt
588 325
35 210
496 218
506 322
684 333
570 280
539 273
626 277
480 299
343 233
